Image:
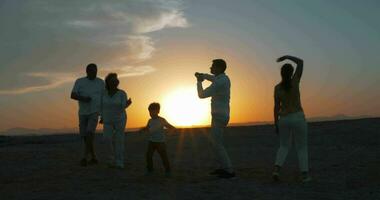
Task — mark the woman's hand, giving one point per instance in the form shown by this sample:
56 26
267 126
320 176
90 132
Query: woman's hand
129 102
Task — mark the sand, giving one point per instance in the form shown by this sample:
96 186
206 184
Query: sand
344 160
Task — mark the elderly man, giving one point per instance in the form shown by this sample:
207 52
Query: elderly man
87 91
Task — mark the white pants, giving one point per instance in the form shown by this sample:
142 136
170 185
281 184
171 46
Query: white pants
295 125
114 136
218 124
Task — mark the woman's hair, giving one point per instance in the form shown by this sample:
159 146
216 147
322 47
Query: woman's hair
108 79
287 74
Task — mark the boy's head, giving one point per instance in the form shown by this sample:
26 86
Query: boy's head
154 109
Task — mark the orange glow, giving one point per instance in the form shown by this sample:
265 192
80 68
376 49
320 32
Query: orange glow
182 107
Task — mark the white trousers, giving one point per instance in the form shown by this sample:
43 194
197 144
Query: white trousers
218 124
114 136
293 125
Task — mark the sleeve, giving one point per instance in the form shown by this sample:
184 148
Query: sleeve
209 91
76 87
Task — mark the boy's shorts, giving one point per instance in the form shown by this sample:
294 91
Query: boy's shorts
87 124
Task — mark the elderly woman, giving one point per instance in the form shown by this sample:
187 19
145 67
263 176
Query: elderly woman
114 117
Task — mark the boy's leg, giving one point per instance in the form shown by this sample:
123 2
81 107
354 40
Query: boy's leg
161 148
149 157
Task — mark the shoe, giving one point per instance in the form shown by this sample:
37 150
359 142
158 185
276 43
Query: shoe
83 162
227 175
217 172
276 176
93 162
306 178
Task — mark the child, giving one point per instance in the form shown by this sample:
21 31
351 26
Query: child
155 127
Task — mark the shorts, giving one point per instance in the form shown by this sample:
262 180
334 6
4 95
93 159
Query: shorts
87 124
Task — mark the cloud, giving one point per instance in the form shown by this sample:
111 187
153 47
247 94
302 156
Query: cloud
54 80
46 43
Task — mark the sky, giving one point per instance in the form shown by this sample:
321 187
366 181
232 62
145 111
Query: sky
155 46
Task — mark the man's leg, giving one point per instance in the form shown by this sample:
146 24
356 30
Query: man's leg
217 129
83 121
91 128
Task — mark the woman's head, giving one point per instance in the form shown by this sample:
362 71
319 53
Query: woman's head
111 81
287 74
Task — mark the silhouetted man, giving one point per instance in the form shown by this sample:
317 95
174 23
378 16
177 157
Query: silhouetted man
87 91
219 91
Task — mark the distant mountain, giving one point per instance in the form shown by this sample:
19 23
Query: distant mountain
21 131
337 117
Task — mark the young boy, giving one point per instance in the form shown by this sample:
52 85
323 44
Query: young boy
155 127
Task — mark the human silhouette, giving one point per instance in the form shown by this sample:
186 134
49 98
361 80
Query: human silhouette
219 91
155 127
87 91
289 117
114 118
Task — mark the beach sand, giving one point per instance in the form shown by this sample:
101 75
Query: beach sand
344 161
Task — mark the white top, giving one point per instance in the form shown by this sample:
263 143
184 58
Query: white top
89 88
113 107
156 129
219 91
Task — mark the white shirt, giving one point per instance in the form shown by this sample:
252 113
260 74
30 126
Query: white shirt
219 91
156 129
113 107
89 88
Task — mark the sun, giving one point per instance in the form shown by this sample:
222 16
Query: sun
183 108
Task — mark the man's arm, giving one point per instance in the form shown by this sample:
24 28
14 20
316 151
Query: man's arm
209 77
208 92
78 97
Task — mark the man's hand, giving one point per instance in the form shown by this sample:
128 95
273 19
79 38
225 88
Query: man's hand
199 76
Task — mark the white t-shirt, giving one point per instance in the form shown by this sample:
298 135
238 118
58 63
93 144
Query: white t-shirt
219 91
113 107
89 88
156 129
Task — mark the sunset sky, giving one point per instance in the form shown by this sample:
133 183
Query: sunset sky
156 46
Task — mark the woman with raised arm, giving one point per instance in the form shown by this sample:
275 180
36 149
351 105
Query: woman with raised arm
289 117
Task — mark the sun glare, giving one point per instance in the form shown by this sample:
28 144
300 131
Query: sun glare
183 108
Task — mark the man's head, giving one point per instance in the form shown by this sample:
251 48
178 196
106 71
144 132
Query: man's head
218 66
91 71
154 109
